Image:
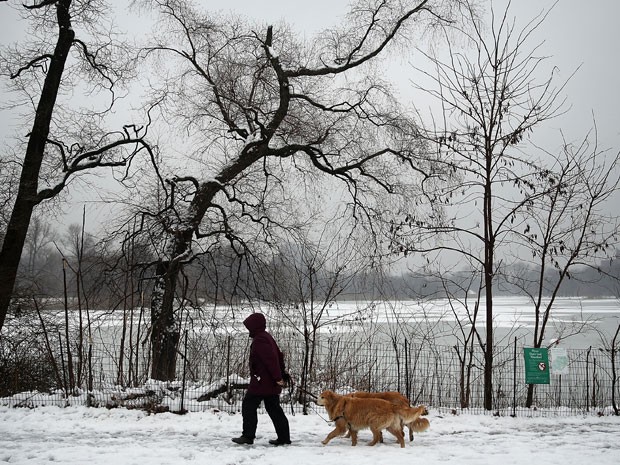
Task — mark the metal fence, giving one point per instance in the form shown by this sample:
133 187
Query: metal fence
212 373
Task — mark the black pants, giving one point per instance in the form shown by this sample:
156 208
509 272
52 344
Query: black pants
249 408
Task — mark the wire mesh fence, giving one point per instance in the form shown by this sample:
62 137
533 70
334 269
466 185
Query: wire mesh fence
212 373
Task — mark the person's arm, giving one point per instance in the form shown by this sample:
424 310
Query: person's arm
269 359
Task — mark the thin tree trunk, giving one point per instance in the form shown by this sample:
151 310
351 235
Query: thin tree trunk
48 346
488 354
67 332
489 247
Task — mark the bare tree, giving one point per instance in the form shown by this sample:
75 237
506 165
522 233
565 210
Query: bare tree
305 281
459 320
491 100
568 229
68 50
464 300
263 112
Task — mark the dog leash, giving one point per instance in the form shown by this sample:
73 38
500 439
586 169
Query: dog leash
290 393
314 396
326 420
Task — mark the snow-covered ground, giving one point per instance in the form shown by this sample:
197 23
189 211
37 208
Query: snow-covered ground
81 435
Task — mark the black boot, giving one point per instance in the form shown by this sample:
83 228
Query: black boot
243 440
278 442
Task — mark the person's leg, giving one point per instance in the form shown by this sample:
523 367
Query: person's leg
249 409
280 422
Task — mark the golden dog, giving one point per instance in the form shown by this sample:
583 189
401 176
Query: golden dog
355 413
419 425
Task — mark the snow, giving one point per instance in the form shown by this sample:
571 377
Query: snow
272 52
79 435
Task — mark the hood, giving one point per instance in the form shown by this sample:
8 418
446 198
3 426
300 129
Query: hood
255 323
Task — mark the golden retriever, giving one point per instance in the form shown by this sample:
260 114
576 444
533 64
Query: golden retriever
419 425
355 413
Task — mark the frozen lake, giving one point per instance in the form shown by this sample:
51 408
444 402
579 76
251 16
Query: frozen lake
578 322
362 341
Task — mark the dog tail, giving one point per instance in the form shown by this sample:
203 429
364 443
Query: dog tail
420 425
411 414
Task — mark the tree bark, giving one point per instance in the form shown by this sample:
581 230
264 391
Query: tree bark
26 198
488 354
165 330
489 264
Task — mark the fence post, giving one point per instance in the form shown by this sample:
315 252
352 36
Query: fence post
184 376
594 385
397 358
514 380
407 380
614 378
228 343
588 379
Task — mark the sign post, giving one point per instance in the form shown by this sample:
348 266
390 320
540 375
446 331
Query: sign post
536 365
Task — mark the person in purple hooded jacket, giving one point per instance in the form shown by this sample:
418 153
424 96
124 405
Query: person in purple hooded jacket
266 362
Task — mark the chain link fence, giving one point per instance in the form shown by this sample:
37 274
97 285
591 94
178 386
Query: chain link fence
212 373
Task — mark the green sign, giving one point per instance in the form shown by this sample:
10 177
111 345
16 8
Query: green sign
536 366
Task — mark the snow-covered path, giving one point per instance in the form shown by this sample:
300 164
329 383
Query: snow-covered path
79 435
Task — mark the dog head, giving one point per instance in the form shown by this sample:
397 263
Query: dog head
421 409
326 398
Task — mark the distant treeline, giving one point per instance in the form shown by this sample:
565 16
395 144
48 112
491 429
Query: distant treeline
123 278
600 281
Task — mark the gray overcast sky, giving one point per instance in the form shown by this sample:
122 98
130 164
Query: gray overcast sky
576 33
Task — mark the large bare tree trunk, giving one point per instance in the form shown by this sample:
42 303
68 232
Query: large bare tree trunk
26 198
165 331
165 324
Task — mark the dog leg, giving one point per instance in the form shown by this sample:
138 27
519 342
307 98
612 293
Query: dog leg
353 437
376 436
331 436
410 431
340 428
398 434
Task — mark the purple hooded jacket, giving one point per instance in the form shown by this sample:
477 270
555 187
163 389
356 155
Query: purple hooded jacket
265 358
